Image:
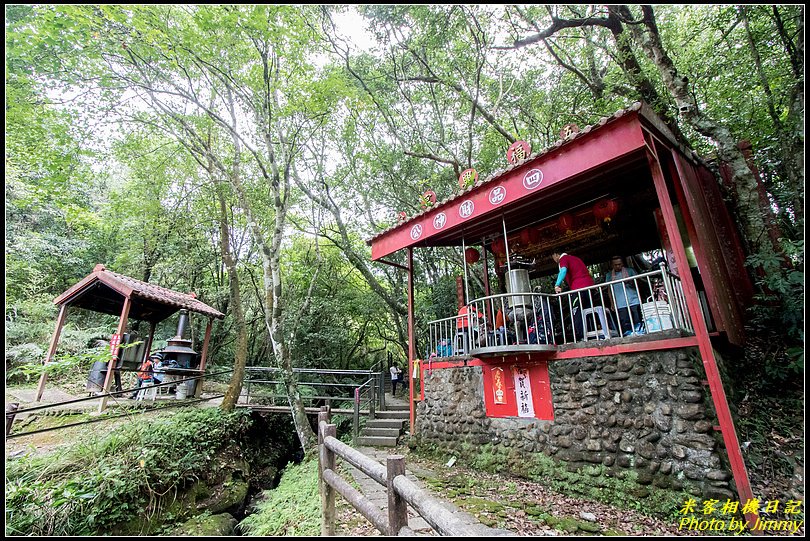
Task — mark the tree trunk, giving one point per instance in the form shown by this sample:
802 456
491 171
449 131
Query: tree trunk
747 200
272 283
240 359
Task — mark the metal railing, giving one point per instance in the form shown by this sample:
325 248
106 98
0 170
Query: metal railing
331 387
540 321
145 393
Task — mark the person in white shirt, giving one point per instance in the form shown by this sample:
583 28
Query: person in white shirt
396 373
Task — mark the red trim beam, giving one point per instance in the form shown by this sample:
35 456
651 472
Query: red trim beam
603 145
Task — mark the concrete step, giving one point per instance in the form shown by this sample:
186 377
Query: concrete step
393 414
377 441
385 423
389 432
389 406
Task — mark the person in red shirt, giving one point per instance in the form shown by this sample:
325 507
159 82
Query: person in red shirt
145 373
462 325
576 275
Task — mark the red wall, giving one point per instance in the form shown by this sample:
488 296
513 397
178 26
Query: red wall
540 386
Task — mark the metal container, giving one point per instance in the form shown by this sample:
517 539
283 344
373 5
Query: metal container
517 281
178 348
95 382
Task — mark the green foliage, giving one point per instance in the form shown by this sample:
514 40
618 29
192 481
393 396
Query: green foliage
439 91
779 313
291 509
29 326
100 482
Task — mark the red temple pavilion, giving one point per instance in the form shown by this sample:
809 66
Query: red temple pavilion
625 186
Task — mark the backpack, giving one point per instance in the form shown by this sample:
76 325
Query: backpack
145 371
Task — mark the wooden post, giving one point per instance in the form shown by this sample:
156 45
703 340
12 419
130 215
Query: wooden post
60 322
328 493
397 508
206 340
702 335
11 410
122 326
411 341
149 340
323 415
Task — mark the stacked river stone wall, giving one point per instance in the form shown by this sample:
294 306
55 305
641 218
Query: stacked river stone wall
644 411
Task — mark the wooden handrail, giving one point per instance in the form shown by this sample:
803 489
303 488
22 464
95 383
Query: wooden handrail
401 490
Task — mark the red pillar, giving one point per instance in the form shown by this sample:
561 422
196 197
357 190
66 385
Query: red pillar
122 326
702 334
60 322
411 340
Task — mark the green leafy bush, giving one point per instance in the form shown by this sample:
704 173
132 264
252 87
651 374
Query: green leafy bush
293 508
99 483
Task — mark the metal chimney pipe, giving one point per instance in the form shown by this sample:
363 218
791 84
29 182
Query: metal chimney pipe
182 324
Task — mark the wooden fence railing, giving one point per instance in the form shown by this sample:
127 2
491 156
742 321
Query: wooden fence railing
401 491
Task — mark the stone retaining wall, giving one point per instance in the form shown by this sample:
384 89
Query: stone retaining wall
643 411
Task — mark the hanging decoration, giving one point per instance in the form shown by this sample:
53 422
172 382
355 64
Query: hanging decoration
605 210
518 151
498 385
402 216
498 247
467 178
529 236
565 223
568 130
427 199
471 255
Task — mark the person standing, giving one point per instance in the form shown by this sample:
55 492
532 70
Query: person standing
576 275
624 296
145 373
395 376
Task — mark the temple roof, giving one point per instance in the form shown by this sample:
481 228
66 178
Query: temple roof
104 291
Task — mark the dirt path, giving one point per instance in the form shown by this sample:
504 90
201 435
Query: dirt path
523 507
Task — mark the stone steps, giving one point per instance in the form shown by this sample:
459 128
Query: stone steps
385 430
393 414
388 432
385 423
378 441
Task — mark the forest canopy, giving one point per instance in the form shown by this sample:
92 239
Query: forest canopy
247 152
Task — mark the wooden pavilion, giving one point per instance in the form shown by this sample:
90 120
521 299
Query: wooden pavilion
655 193
115 294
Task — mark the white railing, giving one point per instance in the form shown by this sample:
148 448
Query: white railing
535 321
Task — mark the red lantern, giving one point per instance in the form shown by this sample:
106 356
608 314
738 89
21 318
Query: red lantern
471 255
467 178
499 247
605 210
427 199
565 223
528 236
